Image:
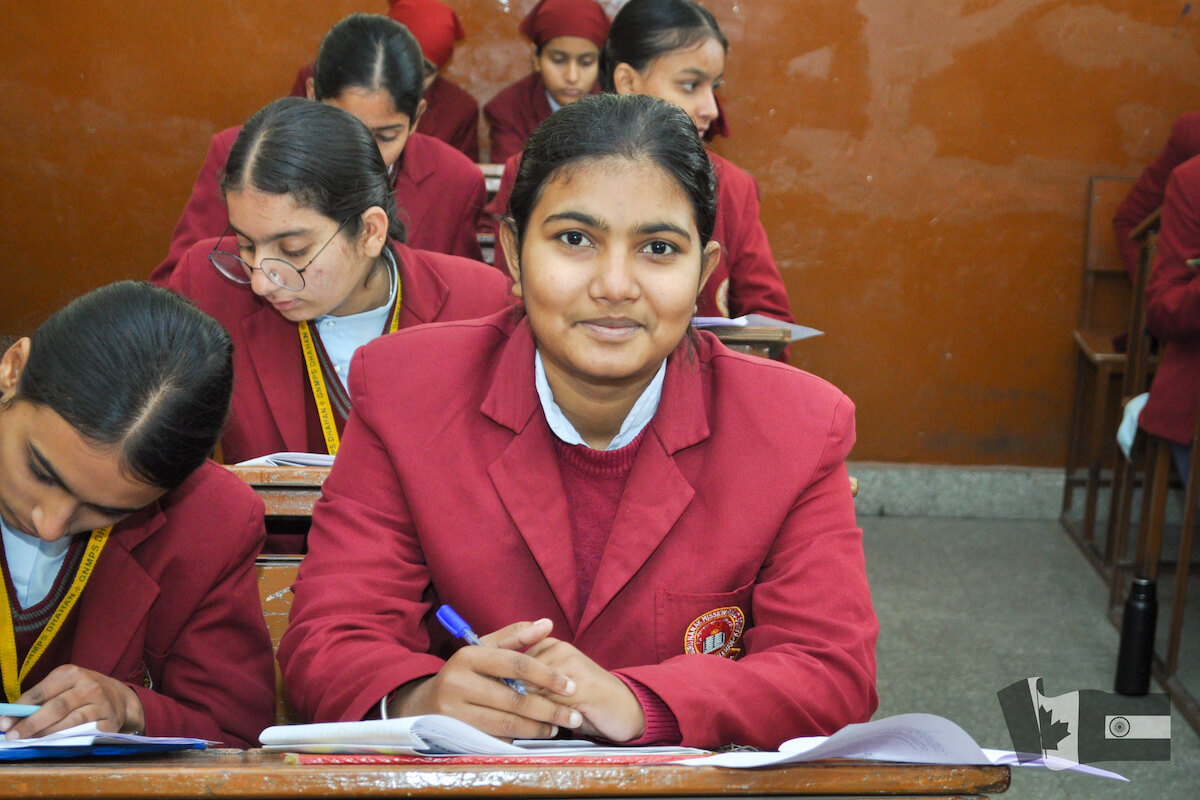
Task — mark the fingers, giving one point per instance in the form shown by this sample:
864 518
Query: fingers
519 635
69 696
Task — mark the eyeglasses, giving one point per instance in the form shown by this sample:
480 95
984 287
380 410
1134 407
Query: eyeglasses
280 272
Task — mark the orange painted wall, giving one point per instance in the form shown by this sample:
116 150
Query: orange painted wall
923 167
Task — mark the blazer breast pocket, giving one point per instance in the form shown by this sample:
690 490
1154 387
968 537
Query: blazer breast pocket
712 623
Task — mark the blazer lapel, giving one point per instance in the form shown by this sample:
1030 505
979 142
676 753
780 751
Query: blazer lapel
274 346
117 599
657 492
533 497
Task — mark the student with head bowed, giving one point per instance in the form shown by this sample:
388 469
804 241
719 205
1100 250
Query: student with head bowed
674 50
371 67
656 533
312 266
451 112
129 595
567 36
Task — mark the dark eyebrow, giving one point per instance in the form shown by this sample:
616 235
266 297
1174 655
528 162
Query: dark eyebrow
108 511
276 237
580 217
389 127
662 227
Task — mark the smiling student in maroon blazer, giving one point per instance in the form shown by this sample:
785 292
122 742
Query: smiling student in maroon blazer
370 66
129 596
656 533
567 36
312 266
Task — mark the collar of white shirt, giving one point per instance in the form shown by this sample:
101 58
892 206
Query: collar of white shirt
637 418
341 336
32 563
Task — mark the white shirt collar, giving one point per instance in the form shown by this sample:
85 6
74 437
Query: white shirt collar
32 563
639 416
553 105
341 336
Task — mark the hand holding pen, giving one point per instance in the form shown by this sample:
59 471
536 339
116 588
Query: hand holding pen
459 629
470 685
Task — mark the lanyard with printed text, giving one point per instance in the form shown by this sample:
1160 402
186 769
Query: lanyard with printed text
13 677
316 377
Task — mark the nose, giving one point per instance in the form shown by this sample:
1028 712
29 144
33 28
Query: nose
706 108
51 519
572 73
260 284
614 280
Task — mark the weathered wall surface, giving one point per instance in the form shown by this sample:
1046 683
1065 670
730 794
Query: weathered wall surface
923 168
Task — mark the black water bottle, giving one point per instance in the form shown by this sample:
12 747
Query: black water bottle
1137 638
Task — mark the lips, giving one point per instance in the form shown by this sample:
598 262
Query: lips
612 328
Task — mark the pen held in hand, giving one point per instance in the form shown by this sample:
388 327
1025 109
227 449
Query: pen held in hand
17 710
458 628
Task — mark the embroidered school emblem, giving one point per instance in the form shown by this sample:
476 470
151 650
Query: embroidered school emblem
716 633
723 298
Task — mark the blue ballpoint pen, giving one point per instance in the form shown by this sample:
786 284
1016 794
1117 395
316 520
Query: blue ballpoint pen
458 628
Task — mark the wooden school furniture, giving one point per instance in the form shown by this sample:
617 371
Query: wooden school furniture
258 774
1103 313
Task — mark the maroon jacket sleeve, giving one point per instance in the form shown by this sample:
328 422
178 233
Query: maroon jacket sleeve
513 114
300 85
1147 194
205 214
1173 293
452 115
497 207
217 681
755 285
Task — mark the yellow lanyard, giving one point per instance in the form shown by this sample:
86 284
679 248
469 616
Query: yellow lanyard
316 378
8 638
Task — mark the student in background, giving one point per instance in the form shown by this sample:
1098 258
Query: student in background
662 527
1147 194
312 266
451 113
567 35
107 414
370 66
1173 316
674 50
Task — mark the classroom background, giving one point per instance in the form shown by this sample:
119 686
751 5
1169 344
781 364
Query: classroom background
923 169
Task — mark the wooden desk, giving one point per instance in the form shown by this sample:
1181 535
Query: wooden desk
762 341
286 491
258 774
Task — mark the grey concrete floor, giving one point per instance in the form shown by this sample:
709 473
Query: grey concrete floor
968 606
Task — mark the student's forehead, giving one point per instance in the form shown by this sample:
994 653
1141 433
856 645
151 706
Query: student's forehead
573 183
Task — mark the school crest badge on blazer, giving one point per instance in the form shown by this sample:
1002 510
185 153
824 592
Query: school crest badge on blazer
716 633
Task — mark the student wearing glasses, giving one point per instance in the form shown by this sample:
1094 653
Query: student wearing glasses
129 596
313 265
567 36
370 66
654 533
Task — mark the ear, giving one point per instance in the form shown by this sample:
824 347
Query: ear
308 89
421 106
708 262
626 79
512 253
12 364
373 238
